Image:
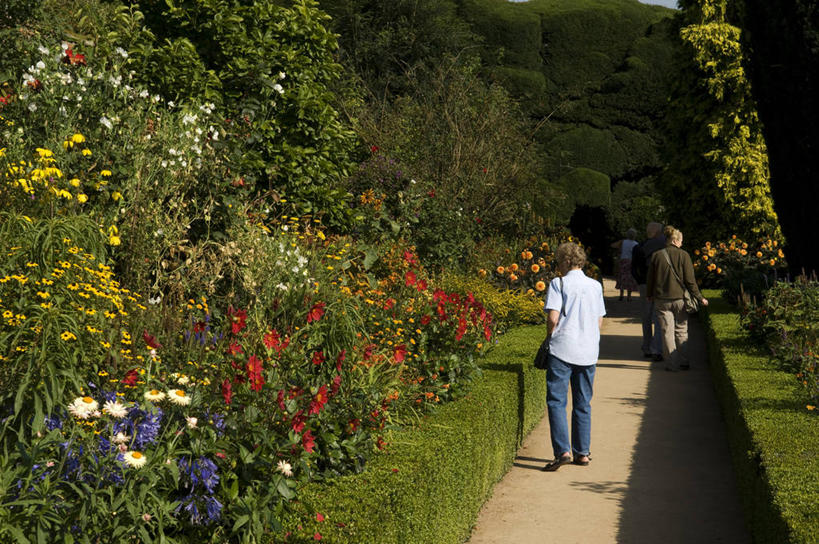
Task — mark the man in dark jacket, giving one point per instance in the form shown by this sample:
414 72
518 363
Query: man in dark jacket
652 339
666 291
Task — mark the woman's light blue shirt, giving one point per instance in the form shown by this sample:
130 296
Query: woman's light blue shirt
576 338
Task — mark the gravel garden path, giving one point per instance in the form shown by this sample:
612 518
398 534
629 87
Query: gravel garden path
660 469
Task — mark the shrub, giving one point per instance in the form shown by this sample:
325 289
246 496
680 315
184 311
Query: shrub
785 321
770 432
456 455
739 267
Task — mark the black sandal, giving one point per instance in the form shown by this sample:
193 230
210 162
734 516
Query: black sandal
552 466
577 461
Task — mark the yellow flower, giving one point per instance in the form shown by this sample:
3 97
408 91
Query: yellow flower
105 173
114 240
67 335
82 198
78 138
116 195
44 153
74 182
86 152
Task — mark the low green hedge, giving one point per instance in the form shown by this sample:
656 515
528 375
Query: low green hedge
774 439
431 482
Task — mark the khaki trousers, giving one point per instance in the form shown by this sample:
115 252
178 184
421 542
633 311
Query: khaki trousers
674 326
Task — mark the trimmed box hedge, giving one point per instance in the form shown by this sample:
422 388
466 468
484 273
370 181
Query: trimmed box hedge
430 484
774 439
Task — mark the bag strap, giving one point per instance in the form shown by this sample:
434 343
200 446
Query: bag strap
671 266
562 300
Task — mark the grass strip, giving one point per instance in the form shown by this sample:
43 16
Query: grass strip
431 483
774 439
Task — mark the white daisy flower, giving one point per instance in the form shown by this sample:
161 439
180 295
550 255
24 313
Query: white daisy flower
106 122
135 459
183 380
285 468
154 395
83 407
121 438
192 421
178 396
123 53
114 409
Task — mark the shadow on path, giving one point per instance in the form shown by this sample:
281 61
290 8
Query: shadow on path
681 486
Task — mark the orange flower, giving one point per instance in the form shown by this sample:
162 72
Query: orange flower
513 277
513 267
500 270
772 262
535 268
759 254
482 273
743 252
540 286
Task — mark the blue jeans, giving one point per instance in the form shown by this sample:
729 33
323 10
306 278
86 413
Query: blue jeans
558 377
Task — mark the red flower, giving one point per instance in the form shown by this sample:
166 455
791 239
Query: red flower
318 357
431 194
71 58
238 319
308 441
280 400
410 258
318 401
336 385
368 352
461 328
484 170
273 341
438 295
316 312
130 378
150 340
399 353
340 359
199 326
421 286
353 424
389 304
374 149
298 422
319 517
35 84
410 278
254 373
316 536
227 391
487 333
234 349
425 320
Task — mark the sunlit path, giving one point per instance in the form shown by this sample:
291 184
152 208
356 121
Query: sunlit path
660 470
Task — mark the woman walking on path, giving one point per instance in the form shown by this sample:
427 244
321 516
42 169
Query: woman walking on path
625 281
670 272
576 309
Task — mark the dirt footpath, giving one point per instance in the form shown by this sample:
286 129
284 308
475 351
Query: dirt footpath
660 470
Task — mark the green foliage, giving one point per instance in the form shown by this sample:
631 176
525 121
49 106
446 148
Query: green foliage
589 187
456 455
634 205
272 72
466 145
718 158
510 308
771 435
739 268
785 320
386 42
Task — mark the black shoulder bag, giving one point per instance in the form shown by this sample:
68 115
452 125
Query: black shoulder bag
542 356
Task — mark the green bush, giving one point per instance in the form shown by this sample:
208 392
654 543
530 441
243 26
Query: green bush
773 438
453 457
